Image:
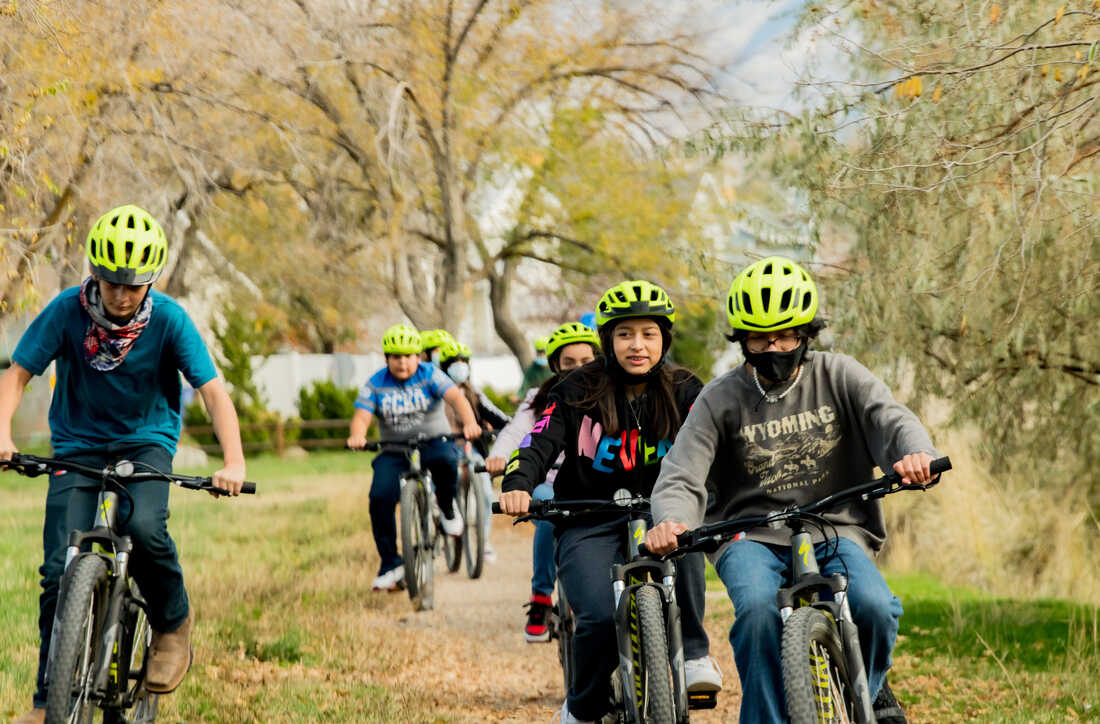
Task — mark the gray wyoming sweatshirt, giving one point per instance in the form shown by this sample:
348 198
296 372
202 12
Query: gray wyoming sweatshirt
828 433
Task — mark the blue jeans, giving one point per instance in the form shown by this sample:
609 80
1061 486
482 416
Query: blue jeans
753 573
71 504
545 569
441 458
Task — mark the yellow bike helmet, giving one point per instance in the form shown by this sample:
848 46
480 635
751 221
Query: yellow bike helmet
571 333
127 246
771 294
401 339
636 298
432 338
453 350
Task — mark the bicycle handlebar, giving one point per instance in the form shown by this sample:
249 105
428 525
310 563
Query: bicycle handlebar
553 509
709 537
33 466
410 445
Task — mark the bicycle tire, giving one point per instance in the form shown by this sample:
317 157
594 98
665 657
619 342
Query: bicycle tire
655 670
76 635
815 672
473 538
412 544
565 626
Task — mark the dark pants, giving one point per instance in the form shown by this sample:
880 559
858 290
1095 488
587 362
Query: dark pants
585 556
71 504
441 458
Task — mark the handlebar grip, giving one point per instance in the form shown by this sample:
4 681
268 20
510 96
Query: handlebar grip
642 550
480 469
248 488
496 509
940 465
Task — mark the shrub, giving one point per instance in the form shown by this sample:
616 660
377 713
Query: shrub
323 400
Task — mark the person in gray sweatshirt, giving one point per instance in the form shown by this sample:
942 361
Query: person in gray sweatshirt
789 426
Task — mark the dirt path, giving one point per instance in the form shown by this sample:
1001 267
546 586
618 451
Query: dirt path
469 655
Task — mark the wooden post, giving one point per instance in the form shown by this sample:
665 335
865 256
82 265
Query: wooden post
280 437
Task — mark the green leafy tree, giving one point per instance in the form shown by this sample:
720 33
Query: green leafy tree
953 172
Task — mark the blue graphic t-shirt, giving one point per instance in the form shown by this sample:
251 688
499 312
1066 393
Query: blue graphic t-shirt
409 408
136 402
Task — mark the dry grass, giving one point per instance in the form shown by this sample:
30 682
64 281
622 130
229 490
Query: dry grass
998 535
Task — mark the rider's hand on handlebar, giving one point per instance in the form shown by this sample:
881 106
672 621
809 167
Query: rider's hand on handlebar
471 431
661 539
230 479
357 442
515 502
914 468
495 466
7 449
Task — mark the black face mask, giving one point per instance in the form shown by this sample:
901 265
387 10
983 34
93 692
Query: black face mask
776 366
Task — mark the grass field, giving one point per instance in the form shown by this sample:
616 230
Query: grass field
278 582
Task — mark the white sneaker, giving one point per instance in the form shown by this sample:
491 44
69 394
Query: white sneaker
452 526
703 675
490 553
564 717
389 580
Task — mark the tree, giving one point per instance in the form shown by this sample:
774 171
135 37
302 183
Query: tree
959 158
397 118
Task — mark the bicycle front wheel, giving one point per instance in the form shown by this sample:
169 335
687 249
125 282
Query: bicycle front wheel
815 673
412 535
76 635
473 505
653 673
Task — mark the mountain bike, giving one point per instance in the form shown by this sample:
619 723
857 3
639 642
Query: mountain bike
649 684
473 503
422 535
824 677
101 636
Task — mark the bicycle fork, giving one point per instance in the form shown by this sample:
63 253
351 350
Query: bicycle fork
807 581
116 551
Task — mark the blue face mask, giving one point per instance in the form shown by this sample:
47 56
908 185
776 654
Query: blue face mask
459 372
541 361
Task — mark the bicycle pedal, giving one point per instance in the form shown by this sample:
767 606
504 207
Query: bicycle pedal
702 699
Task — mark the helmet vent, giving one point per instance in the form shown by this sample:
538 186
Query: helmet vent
807 300
620 296
146 222
145 255
785 300
766 298
130 222
746 302
637 291
127 250
114 221
768 268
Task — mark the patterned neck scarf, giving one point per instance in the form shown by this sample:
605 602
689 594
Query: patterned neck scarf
106 344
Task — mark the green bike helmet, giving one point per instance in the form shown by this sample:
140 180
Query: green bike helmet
432 338
540 343
453 350
401 339
636 298
127 246
771 294
571 333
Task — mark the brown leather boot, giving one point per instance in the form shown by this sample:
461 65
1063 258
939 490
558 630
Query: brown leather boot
170 658
34 716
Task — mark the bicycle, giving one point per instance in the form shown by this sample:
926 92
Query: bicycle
649 684
473 505
422 535
824 677
101 634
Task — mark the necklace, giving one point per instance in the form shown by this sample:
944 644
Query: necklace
776 398
634 412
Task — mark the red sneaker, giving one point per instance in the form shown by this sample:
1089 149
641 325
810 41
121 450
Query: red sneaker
538 619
